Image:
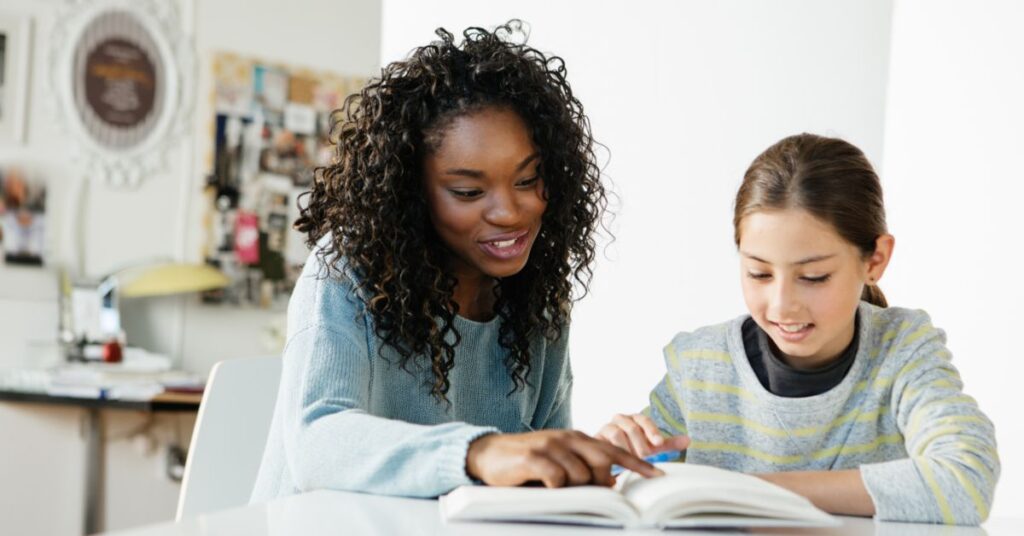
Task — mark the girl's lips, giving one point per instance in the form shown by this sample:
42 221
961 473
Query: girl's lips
793 336
506 247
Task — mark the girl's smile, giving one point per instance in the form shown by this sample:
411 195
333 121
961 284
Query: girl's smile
802 283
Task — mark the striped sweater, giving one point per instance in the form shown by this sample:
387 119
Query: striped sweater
925 450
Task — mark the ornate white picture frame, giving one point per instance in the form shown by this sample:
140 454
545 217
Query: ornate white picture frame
15 58
122 73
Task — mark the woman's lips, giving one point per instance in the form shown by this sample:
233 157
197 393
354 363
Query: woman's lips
507 246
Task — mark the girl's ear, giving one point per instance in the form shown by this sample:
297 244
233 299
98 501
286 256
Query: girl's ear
879 260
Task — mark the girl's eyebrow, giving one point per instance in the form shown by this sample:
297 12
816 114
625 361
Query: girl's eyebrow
477 174
807 260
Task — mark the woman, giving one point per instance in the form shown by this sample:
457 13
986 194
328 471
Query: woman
427 336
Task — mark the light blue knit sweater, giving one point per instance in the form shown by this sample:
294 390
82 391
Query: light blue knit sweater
347 419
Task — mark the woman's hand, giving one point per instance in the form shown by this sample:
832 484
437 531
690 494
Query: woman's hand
555 458
639 435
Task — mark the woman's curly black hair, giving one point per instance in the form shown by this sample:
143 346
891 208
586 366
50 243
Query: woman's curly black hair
371 201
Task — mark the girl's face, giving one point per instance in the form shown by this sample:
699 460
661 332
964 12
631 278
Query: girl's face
485 197
802 282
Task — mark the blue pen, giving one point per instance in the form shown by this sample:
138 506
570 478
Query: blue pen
666 456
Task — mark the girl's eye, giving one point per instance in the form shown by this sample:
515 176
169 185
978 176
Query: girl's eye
526 183
465 194
817 279
758 276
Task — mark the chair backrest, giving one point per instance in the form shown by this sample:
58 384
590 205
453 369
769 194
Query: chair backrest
230 435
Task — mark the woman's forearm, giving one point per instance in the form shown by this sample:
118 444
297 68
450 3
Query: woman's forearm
836 492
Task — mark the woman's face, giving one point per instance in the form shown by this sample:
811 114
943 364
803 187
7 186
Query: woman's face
484 195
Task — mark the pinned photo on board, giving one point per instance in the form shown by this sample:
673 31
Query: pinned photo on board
22 218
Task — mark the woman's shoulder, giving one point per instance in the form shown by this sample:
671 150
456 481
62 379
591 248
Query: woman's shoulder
326 293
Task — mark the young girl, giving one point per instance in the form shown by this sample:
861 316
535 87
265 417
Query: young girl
822 389
426 342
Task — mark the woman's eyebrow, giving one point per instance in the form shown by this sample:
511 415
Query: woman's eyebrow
477 174
527 160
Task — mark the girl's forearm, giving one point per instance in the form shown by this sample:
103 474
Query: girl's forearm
836 492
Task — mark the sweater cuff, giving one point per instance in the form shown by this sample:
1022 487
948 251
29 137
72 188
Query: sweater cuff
451 473
896 489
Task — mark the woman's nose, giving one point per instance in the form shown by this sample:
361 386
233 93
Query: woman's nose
503 209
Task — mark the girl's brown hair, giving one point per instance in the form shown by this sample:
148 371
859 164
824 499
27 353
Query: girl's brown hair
827 177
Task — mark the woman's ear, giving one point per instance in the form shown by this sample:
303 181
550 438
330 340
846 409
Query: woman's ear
879 260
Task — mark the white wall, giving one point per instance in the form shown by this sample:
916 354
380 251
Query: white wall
685 95
954 186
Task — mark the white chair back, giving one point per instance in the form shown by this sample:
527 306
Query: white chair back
230 435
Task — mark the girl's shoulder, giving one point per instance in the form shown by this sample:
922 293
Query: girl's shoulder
898 326
707 342
903 341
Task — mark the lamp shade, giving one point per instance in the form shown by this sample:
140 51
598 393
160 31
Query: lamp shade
168 278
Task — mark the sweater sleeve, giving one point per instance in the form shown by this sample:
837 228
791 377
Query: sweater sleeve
951 474
665 403
561 411
332 442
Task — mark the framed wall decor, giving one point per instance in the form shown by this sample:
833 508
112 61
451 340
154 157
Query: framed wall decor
121 72
15 58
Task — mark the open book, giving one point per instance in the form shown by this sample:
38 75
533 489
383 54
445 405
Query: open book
687 496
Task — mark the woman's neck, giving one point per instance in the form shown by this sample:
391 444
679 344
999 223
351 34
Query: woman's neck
475 297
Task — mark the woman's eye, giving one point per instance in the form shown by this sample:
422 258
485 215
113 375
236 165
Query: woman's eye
465 194
526 183
817 279
758 275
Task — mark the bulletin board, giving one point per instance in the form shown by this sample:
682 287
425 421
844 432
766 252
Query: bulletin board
270 131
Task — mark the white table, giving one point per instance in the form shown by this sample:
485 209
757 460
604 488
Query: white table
336 512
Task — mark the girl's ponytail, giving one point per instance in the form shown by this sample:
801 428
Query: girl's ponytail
873 295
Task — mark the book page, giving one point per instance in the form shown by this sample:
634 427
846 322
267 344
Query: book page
593 505
694 490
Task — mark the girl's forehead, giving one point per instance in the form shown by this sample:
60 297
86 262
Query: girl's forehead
789 236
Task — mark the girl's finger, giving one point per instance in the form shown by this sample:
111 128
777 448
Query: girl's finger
641 446
650 429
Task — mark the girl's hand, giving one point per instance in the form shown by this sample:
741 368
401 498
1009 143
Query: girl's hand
555 458
639 435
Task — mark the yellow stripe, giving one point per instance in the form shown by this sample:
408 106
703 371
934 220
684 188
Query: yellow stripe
666 415
919 412
945 429
917 334
746 451
729 418
844 450
939 383
796 458
675 396
910 366
673 357
979 502
967 456
891 334
929 477
698 385
714 355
